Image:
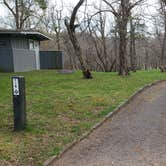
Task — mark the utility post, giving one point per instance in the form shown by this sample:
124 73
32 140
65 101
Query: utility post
19 102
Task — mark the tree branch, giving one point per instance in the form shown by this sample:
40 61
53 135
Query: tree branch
112 8
7 5
73 16
135 4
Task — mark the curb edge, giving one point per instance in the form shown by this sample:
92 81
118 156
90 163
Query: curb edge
109 115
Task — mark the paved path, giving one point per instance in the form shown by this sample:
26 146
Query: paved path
136 136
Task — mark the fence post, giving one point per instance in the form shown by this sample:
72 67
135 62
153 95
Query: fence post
19 102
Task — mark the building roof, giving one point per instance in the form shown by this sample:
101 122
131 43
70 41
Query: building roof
31 34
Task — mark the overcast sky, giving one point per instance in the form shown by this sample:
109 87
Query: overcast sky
69 3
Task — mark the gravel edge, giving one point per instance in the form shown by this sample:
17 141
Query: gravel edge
111 114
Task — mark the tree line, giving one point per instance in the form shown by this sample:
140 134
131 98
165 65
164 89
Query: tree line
107 35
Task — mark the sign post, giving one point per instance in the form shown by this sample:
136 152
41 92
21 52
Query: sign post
19 102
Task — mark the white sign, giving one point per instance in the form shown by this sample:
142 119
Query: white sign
15 86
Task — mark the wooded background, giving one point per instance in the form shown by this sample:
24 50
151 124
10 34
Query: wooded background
104 35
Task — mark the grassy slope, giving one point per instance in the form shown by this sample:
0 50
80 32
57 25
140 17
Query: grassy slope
60 108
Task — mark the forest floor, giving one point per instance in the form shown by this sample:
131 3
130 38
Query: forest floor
60 109
135 136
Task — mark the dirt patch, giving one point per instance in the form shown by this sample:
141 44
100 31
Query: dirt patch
65 71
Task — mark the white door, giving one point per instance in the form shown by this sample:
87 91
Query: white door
34 45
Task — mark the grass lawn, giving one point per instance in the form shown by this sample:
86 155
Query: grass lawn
60 108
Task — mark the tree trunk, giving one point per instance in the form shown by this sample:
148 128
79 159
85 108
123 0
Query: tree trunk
163 58
58 42
17 15
116 41
132 47
122 30
78 52
72 35
123 69
146 59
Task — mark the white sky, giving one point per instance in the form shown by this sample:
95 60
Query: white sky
68 4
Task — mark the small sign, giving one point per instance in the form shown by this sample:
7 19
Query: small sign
15 87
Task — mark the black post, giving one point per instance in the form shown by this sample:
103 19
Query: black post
19 102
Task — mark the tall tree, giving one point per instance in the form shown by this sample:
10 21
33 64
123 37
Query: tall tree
122 15
53 24
56 19
163 14
71 28
133 57
22 10
97 32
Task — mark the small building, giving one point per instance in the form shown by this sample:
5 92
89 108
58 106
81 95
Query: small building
19 50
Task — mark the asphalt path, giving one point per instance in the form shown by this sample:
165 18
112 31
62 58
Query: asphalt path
135 136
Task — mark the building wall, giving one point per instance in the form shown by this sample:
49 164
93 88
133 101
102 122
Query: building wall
5 41
19 42
6 59
51 60
24 60
17 56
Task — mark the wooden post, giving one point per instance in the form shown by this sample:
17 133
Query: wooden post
19 102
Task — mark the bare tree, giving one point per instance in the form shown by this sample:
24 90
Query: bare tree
71 27
56 17
22 10
133 58
97 32
53 24
163 14
122 15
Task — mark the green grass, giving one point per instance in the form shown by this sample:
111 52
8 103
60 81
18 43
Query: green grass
60 108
